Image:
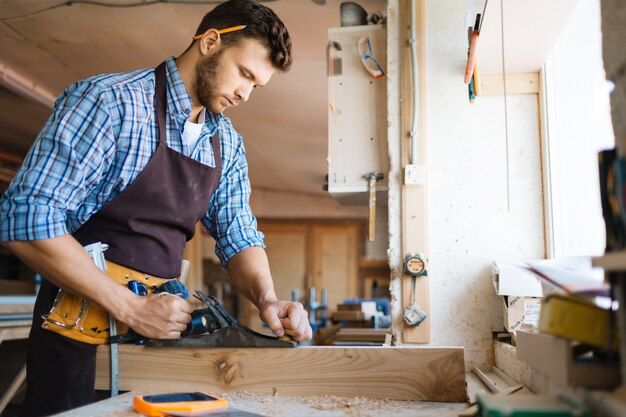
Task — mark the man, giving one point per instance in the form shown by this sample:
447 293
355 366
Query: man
133 160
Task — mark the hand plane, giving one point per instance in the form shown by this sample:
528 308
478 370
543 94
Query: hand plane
214 326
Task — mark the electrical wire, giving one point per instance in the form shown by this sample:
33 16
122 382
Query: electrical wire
69 3
414 79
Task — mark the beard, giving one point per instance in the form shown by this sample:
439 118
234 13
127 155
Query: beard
206 78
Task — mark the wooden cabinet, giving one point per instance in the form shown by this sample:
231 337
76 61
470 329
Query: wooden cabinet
335 257
304 255
357 112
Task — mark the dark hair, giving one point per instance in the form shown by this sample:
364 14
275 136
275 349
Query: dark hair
261 24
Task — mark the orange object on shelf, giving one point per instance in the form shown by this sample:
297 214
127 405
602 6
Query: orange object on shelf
471 57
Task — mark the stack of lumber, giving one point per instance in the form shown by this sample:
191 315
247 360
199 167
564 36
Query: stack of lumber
14 287
357 325
362 337
16 307
357 315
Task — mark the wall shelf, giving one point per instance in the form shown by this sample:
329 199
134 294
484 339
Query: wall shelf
531 28
612 261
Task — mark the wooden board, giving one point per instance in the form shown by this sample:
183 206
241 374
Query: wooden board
526 83
363 335
414 197
348 315
426 374
12 287
16 309
17 304
14 329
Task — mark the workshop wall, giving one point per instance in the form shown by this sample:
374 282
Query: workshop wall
475 214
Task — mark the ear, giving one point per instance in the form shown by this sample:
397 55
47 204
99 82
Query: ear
210 42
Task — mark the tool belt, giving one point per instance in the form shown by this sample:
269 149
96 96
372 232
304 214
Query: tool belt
79 319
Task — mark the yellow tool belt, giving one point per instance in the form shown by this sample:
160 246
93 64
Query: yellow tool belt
79 319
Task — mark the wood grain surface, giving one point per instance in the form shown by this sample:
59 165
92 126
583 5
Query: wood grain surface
14 329
414 197
426 374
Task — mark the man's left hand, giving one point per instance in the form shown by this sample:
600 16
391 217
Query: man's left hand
287 318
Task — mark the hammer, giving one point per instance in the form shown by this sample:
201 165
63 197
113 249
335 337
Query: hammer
372 178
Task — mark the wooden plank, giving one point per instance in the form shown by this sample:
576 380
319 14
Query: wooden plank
526 83
13 388
426 374
374 335
414 197
16 308
348 315
17 304
14 333
13 287
612 262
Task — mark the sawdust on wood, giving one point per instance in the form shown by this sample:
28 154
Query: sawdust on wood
349 406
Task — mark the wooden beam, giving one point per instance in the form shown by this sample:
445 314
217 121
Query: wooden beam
14 329
525 83
427 374
16 384
414 197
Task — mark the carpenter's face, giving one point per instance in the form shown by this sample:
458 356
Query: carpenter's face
227 77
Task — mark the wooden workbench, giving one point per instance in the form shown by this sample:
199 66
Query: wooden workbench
274 406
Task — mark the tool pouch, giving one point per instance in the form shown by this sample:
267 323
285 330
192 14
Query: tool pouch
79 319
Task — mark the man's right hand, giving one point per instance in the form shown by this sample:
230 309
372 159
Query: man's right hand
64 262
158 316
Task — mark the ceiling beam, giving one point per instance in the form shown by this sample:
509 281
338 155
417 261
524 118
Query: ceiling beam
24 86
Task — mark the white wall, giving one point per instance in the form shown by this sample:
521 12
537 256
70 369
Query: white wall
474 217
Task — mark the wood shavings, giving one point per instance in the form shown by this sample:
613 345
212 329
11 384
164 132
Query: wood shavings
331 402
345 406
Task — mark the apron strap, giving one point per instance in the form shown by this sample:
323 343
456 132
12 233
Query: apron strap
161 101
217 154
161 105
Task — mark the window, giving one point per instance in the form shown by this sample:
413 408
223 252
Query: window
576 126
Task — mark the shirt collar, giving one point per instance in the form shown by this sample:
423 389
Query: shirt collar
179 102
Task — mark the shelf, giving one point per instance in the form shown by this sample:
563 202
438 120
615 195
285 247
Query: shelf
531 28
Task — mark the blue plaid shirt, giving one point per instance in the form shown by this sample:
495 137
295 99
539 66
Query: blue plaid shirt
100 137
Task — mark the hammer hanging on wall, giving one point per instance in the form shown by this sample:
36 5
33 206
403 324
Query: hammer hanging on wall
372 178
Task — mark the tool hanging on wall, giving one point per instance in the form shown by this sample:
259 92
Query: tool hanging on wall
371 65
472 78
415 265
372 178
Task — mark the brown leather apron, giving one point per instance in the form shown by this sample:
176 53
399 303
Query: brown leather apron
146 227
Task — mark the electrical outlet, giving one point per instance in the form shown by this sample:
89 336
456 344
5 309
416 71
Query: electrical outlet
414 174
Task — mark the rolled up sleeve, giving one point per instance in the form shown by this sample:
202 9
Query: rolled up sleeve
64 164
229 218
